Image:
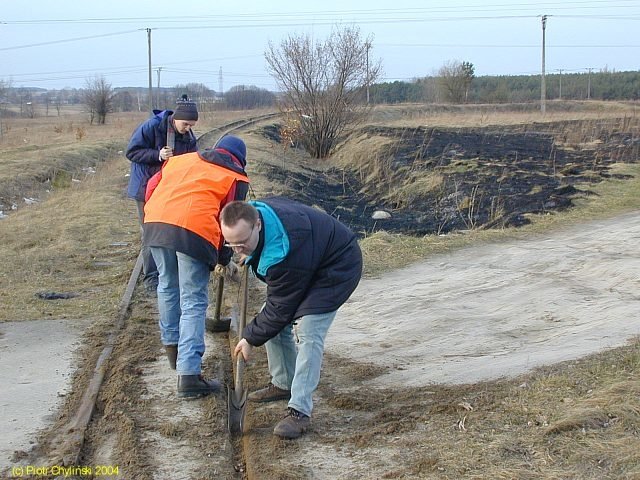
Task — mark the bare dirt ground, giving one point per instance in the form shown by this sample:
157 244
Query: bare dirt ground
49 375
497 310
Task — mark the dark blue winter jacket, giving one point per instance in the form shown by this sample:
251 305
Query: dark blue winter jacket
310 262
144 150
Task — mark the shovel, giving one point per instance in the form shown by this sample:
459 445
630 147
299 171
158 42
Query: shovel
217 323
237 396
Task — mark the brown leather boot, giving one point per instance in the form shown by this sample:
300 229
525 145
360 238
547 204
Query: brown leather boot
270 393
172 355
293 425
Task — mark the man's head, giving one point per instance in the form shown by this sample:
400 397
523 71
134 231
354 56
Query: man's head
240 224
185 115
234 146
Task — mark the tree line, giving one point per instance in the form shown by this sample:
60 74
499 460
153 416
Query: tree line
455 82
100 98
601 85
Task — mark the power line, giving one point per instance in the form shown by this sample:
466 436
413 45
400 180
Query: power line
571 5
265 24
53 42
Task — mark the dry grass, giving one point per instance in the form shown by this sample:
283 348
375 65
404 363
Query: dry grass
576 420
69 245
411 115
610 197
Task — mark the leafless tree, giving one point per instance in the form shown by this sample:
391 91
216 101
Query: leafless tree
46 99
57 102
455 80
248 97
98 97
123 101
324 84
4 86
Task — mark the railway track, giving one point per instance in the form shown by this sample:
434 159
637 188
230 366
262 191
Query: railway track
128 423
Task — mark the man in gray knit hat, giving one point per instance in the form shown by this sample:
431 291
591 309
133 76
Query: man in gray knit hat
165 134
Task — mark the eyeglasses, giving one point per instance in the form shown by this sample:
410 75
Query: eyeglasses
243 243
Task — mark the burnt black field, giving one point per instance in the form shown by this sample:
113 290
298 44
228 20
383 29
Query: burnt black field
490 177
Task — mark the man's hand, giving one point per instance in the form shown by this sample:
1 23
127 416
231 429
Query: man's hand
165 153
245 348
229 272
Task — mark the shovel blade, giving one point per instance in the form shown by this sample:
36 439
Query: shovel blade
237 406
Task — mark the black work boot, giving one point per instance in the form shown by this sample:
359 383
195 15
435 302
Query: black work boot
293 425
172 355
194 386
270 393
151 286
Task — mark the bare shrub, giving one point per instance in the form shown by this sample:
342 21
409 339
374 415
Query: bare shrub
98 97
324 83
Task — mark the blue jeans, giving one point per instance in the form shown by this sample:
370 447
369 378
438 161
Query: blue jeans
299 370
183 296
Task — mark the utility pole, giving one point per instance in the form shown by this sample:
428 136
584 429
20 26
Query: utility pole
560 92
543 86
589 84
159 69
368 45
150 76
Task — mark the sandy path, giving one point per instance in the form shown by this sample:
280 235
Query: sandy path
36 361
498 310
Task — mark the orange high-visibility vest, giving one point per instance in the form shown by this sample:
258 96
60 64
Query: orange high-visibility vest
191 194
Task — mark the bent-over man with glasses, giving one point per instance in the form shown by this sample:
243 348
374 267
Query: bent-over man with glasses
311 264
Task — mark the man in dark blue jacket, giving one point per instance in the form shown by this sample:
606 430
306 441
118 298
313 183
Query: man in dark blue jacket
164 135
311 264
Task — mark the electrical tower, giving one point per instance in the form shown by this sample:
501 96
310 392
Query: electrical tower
220 83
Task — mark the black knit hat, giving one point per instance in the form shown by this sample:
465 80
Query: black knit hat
185 110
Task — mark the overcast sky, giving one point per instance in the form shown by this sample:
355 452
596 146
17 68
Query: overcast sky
58 43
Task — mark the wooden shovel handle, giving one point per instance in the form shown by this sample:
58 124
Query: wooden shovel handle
242 322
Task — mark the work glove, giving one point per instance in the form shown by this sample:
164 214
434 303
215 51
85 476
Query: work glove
225 255
165 153
231 272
